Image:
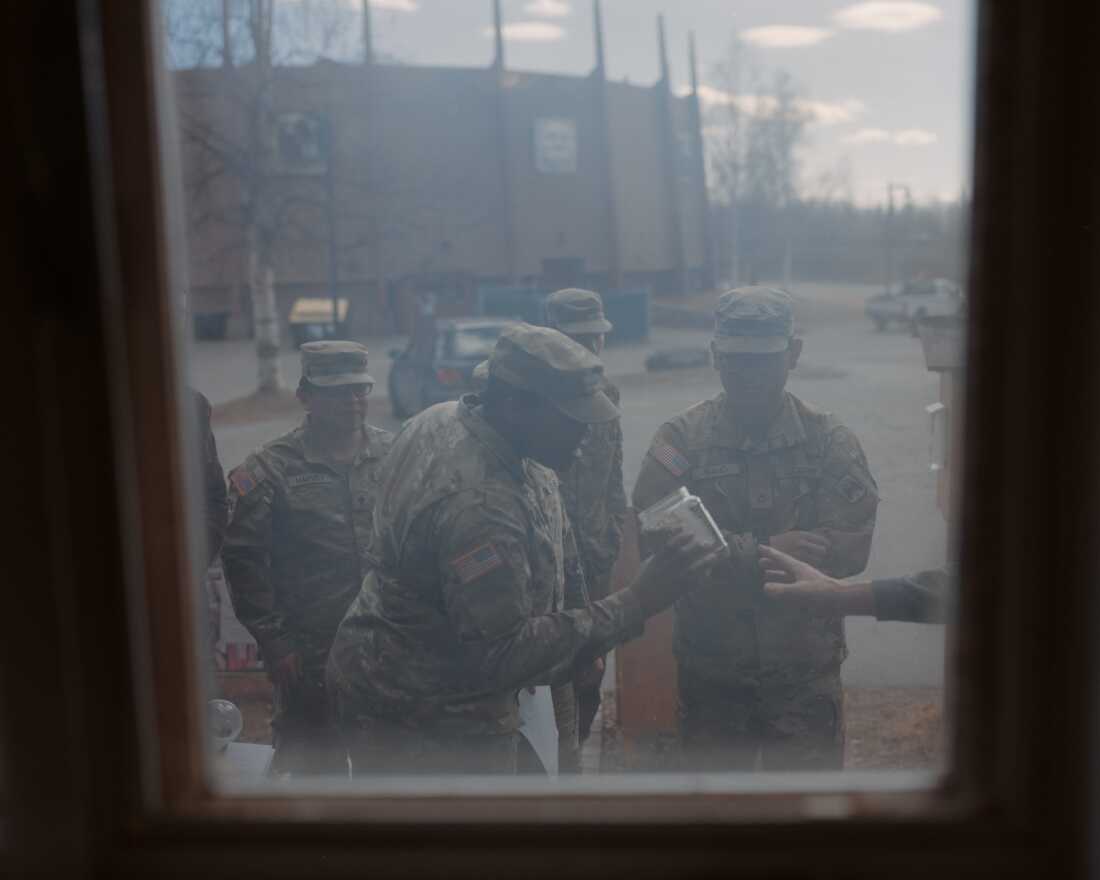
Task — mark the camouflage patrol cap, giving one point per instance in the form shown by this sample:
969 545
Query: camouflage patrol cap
753 320
335 362
552 365
573 310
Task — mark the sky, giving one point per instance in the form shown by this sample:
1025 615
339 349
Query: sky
887 85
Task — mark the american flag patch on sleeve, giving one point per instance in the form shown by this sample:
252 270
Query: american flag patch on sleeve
242 481
671 457
481 560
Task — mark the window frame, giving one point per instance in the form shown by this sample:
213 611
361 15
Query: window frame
1015 802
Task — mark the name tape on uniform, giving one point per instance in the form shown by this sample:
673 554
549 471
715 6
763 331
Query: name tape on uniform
479 561
309 480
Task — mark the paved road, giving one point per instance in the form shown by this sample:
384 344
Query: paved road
876 382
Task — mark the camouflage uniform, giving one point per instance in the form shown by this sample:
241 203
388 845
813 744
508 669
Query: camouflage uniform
919 598
216 501
755 676
474 564
295 555
592 490
215 516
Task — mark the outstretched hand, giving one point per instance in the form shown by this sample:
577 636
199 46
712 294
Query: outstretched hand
791 581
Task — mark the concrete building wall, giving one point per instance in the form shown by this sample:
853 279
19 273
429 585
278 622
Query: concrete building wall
558 214
638 174
419 186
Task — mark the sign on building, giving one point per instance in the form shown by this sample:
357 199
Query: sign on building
555 146
300 143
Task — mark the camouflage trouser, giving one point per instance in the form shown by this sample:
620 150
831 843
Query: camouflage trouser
306 741
379 748
780 726
565 716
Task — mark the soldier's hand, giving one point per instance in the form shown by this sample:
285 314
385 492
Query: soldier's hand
590 675
287 669
808 546
797 583
680 566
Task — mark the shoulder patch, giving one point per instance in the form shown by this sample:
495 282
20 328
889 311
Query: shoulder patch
674 461
243 480
852 489
477 562
844 441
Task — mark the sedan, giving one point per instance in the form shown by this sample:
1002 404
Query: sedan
438 363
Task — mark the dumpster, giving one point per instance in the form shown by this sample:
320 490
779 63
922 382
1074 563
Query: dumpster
311 319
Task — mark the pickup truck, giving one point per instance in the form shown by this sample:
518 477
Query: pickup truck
908 302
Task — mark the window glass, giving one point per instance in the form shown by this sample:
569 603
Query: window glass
748 225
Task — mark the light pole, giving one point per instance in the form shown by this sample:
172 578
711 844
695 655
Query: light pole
890 227
330 218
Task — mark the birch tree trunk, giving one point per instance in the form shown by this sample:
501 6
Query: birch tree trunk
261 279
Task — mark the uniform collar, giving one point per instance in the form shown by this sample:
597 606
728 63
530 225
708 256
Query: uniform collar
786 429
469 411
311 454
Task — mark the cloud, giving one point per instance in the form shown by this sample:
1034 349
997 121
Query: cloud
548 8
396 5
868 136
784 36
832 112
906 137
819 112
914 137
530 32
893 17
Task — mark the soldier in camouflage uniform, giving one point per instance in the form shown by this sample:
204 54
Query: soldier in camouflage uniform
296 549
474 566
592 490
760 681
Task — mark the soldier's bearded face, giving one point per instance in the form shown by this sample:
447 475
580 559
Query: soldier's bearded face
754 383
551 437
594 342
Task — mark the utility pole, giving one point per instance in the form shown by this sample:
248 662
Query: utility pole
891 229
330 212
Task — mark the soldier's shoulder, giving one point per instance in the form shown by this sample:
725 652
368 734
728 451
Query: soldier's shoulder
479 508
379 438
285 446
692 419
819 422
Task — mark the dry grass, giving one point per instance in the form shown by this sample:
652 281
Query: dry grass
894 728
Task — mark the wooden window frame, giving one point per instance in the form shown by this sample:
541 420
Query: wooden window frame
104 517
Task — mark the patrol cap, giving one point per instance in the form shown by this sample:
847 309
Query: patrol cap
335 362
753 320
573 310
552 365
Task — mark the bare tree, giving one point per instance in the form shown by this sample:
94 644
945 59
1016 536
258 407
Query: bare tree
228 124
754 131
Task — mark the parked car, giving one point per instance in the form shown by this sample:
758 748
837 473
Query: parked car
912 300
438 363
